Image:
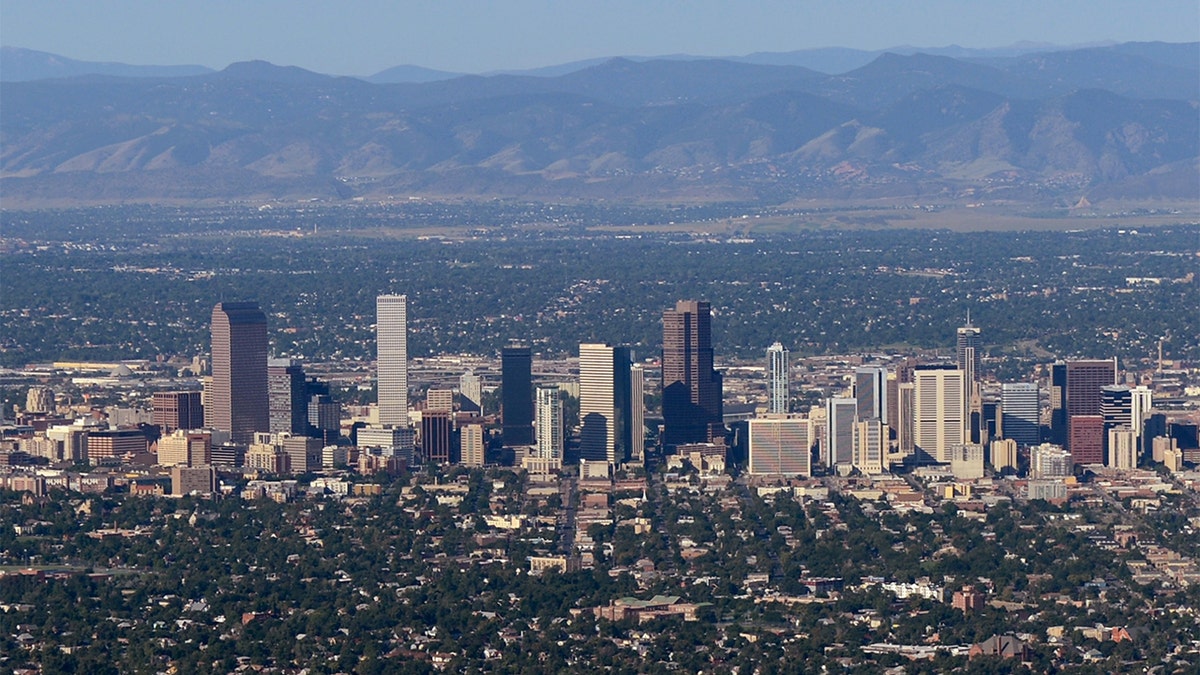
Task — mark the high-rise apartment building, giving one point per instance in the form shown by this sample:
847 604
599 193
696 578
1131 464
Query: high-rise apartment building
939 416
549 425
237 396
605 403
516 392
391 359
777 379
691 388
287 396
177 410
1020 410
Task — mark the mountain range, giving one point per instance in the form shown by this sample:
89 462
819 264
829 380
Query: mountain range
1111 121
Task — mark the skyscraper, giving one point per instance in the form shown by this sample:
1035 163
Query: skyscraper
516 391
870 391
237 401
287 396
391 359
637 413
1020 411
691 388
777 379
1085 382
1058 404
939 420
605 403
471 391
969 349
841 415
549 425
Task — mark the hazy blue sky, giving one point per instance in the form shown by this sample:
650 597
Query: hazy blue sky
360 37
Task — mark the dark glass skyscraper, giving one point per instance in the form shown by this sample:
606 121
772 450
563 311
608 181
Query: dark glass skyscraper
237 398
287 396
516 390
692 409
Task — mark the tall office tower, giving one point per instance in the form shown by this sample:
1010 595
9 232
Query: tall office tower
439 400
391 359
1116 405
1085 381
870 445
1086 439
516 391
968 339
436 437
1058 404
870 391
691 389
637 413
1141 402
939 422
904 418
549 425
1020 417
780 446
605 403
471 391
777 379
840 415
39 400
324 418
473 447
992 421
237 401
177 410
287 396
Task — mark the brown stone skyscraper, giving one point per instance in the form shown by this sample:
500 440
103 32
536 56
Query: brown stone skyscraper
691 388
237 399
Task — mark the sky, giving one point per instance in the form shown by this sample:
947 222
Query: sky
362 37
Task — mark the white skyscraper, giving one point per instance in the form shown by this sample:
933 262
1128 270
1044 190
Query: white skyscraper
939 419
549 423
1141 402
637 412
777 379
597 413
391 358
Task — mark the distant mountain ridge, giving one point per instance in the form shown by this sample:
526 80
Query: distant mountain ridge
1120 119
